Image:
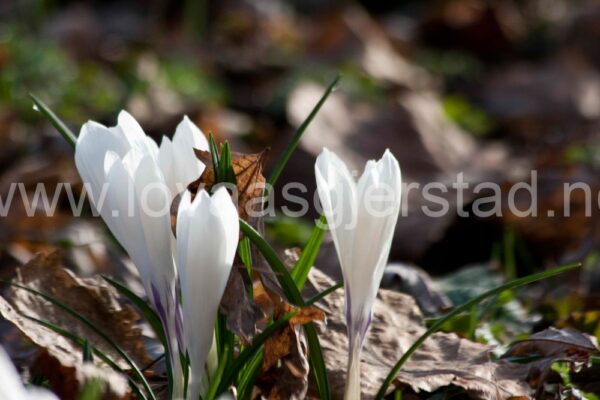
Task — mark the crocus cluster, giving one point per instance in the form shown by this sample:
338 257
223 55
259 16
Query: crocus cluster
362 217
132 183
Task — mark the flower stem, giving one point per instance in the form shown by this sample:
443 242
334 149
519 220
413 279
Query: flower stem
352 391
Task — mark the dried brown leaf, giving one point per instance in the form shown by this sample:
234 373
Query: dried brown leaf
92 298
552 345
556 343
443 360
248 174
285 365
306 315
241 311
68 381
280 344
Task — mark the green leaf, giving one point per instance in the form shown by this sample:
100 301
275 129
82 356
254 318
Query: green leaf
97 330
226 174
81 342
214 154
88 355
213 390
324 293
293 295
281 273
463 308
317 361
248 376
291 146
245 253
224 337
309 254
60 126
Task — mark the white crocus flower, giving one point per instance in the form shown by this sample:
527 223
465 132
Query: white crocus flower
176 157
11 386
131 182
207 239
362 218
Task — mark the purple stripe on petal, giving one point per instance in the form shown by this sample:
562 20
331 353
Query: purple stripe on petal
366 325
160 309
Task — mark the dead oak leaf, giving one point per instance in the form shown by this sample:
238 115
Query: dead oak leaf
250 181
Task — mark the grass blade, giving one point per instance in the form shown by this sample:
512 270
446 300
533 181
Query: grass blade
324 293
88 355
143 307
97 330
150 315
309 254
291 146
248 376
214 155
60 126
293 294
81 342
462 308
213 390
227 174
283 276
317 361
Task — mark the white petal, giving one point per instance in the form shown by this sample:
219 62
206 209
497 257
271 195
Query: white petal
204 269
155 201
177 159
11 386
378 208
135 135
93 142
228 214
337 192
190 136
166 162
187 138
120 212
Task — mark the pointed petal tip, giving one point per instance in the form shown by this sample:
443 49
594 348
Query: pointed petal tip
124 114
164 141
387 154
201 197
186 198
